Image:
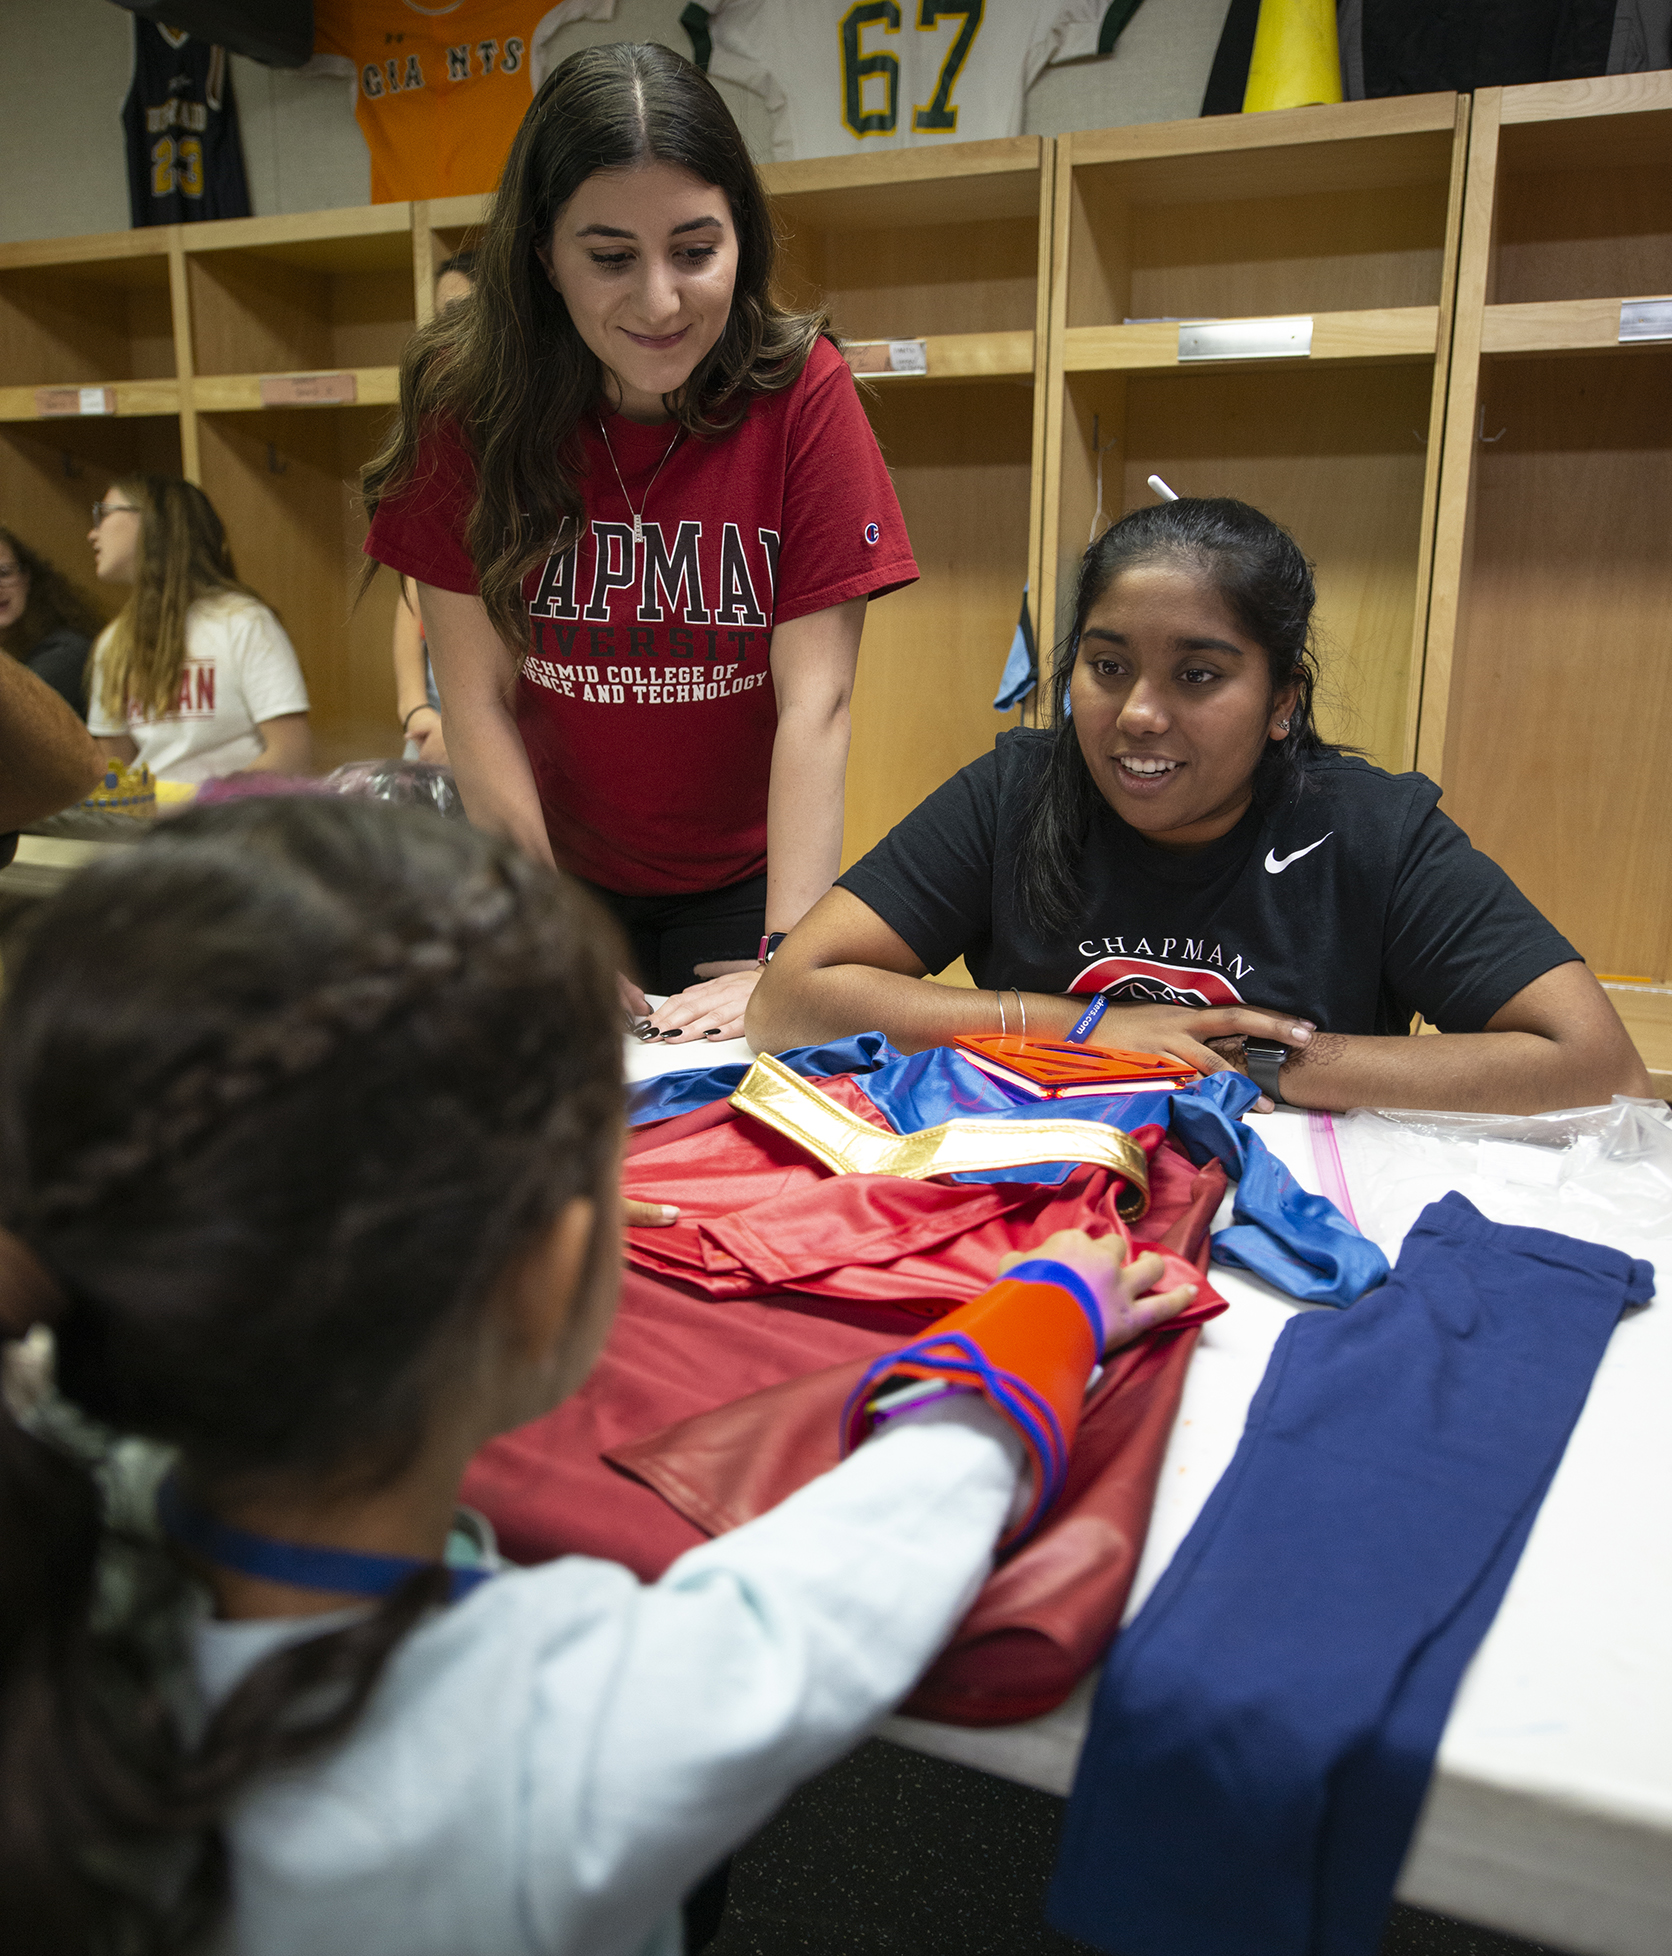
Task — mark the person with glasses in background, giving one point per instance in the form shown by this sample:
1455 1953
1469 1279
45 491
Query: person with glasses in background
195 677
45 622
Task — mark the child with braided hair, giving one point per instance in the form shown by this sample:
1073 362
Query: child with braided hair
310 1121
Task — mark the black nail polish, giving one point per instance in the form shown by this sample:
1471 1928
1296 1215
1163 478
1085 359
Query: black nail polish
710 1032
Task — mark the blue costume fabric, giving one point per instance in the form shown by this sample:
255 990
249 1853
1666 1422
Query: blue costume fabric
1301 1243
1265 1729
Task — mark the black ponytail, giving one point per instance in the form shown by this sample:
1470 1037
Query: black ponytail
1266 583
280 1098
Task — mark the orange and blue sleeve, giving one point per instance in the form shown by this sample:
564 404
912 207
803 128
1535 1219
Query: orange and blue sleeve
1027 1345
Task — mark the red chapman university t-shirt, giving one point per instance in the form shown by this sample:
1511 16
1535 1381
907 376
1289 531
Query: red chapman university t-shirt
646 700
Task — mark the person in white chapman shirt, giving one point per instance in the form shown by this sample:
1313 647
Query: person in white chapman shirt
195 676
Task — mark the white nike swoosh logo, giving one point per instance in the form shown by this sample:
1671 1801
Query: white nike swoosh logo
1276 864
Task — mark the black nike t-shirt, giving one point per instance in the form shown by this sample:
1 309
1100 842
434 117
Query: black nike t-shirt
1352 902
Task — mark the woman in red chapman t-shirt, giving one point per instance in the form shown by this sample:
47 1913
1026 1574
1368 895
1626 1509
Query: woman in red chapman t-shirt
646 512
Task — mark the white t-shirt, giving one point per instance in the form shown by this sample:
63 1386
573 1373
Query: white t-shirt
837 85
550 1764
241 669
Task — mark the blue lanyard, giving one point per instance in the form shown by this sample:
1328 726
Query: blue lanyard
348 1572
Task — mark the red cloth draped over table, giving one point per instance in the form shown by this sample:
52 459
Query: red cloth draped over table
758 1215
705 1410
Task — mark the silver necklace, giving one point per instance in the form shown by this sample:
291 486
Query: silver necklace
638 514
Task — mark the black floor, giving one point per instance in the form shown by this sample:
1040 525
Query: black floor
893 1854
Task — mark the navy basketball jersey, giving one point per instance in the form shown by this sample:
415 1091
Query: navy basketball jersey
185 161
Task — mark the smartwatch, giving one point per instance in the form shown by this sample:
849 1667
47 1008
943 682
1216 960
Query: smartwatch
1262 1059
769 946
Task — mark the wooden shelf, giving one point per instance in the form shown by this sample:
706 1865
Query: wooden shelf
1560 326
967 356
1277 153
960 184
133 397
1389 334
238 393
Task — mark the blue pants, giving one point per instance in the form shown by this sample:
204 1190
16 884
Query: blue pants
1265 1729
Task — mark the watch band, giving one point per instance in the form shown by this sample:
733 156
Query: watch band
1262 1061
770 943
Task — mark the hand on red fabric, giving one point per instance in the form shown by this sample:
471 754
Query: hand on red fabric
1124 1291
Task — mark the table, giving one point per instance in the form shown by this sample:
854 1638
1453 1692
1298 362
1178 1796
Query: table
1550 1812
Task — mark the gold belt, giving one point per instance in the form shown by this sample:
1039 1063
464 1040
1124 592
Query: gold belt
782 1100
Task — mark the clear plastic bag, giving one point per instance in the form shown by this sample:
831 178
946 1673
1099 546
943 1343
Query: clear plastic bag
412 784
1603 1173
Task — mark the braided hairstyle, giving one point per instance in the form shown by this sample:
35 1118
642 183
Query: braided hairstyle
1265 582
282 1095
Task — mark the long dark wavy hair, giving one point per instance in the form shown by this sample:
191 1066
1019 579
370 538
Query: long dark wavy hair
280 1100
53 603
1266 583
510 371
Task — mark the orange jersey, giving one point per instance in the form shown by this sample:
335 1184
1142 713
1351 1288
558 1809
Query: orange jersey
439 88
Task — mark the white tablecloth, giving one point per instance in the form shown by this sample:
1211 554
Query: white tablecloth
1550 1813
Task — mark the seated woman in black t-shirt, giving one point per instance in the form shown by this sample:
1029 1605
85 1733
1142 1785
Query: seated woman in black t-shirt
1186 845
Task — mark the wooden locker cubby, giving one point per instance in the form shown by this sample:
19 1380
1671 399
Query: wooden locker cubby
90 311
1349 215
328 292
948 247
1547 710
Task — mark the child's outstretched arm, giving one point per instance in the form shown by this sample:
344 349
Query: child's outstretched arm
763 1656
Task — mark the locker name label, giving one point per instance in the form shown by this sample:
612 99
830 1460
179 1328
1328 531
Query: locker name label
1646 319
308 390
1247 339
888 356
74 400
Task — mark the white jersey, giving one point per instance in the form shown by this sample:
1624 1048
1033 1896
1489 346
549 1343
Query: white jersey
841 77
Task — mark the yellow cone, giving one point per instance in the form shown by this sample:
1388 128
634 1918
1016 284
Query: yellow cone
1296 58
